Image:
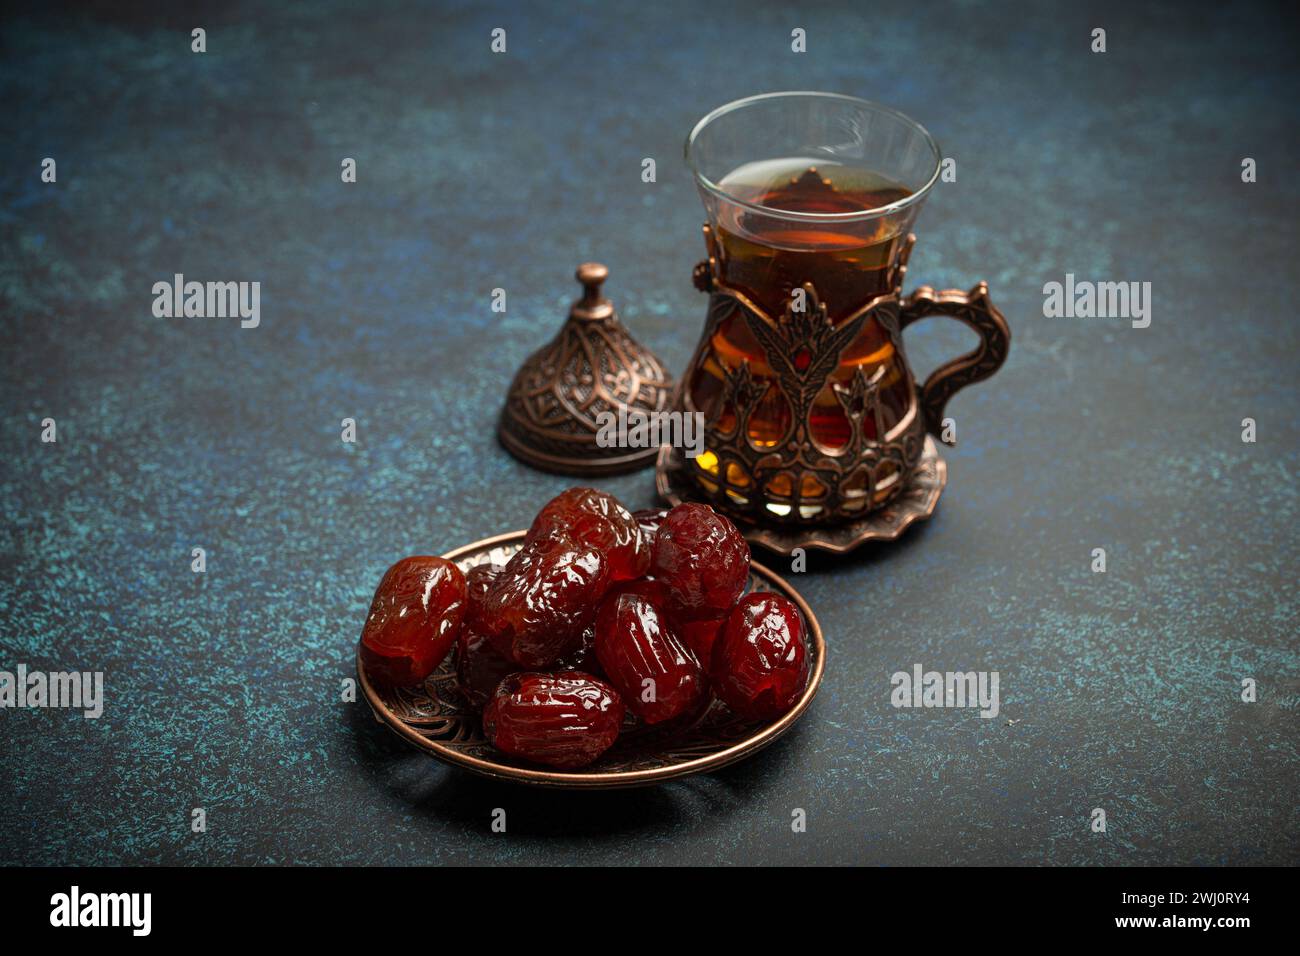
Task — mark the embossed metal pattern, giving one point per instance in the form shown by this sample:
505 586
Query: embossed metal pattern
872 470
592 366
436 719
916 502
846 478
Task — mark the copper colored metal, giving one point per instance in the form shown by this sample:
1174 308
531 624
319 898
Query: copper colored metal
436 719
976 310
592 366
867 474
916 502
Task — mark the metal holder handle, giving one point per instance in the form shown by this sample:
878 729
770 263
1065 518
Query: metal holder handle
976 311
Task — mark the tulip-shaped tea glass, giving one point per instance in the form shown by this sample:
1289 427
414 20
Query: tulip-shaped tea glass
812 413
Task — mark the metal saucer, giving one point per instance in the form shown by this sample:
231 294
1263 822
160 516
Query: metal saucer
916 502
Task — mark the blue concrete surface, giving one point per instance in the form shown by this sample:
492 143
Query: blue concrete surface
475 171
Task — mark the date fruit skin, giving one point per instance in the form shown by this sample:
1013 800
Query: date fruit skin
582 656
697 635
479 668
649 520
597 519
414 619
547 595
700 635
658 676
648 588
478 581
566 720
760 660
702 560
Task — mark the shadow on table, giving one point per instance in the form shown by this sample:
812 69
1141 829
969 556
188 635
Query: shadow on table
450 794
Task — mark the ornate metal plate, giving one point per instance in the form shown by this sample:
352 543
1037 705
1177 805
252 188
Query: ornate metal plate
437 720
916 502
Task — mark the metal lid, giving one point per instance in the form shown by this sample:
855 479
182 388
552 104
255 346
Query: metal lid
553 411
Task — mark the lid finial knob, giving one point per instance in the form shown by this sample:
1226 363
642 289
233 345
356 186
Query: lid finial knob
593 305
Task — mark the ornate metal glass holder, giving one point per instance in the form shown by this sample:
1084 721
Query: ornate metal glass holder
796 491
815 432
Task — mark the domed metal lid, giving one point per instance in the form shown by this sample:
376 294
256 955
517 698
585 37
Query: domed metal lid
556 403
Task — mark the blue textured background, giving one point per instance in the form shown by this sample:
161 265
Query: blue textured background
478 171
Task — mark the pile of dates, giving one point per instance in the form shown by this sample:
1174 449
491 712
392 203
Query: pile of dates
603 612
